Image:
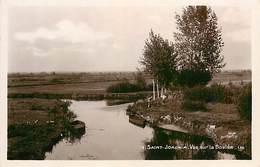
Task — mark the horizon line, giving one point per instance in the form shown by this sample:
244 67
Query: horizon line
246 69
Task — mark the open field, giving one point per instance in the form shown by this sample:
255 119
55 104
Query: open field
90 83
69 85
30 111
232 76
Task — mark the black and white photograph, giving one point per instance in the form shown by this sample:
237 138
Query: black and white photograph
129 82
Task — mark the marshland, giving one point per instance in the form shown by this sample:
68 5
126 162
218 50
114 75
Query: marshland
37 114
161 91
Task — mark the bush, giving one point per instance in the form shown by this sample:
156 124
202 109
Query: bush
191 77
123 87
215 93
245 102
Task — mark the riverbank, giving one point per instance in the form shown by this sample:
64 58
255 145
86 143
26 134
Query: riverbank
222 122
35 126
82 96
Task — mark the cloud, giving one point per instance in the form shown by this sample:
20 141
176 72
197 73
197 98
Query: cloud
66 31
37 52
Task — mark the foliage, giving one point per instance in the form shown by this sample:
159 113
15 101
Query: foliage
31 140
123 87
194 57
245 102
65 106
159 59
190 77
215 93
198 42
126 87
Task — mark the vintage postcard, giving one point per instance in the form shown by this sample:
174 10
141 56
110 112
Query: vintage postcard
126 80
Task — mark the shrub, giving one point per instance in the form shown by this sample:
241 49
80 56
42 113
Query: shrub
123 87
245 102
215 93
218 93
191 77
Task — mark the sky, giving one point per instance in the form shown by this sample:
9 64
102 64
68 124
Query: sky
108 38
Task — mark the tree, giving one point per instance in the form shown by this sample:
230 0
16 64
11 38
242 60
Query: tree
192 77
199 41
159 59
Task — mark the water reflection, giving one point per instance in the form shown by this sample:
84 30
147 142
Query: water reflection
109 135
73 131
73 135
167 145
172 145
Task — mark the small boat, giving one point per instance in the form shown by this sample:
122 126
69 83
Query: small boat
78 125
137 121
171 127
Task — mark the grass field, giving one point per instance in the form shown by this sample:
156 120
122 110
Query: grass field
92 83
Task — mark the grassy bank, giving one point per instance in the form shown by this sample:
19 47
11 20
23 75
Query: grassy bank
35 125
31 141
214 111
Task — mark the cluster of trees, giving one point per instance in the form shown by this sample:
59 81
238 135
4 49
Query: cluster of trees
194 56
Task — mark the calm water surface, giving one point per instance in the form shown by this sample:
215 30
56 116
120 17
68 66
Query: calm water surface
109 135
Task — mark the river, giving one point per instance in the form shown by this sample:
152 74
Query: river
110 136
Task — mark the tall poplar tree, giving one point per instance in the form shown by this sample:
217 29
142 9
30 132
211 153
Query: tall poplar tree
198 42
